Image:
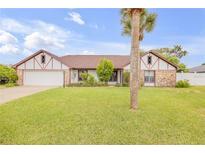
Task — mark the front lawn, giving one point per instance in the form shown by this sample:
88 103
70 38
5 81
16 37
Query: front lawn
102 116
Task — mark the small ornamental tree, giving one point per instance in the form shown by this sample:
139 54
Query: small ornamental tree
105 70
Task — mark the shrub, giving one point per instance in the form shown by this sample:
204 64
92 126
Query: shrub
126 78
88 79
11 84
84 76
105 70
91 80
182 84
7 75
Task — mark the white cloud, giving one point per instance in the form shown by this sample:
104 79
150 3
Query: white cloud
39 40
51 29
76 17
9 49
85 52
6 37
15 26
45 36
36 35
8 43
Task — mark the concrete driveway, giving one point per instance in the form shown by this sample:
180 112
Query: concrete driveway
8 94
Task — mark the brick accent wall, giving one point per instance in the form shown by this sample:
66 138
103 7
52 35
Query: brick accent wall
165 78
20 77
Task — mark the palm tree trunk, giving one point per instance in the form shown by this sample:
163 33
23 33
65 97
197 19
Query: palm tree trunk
134 59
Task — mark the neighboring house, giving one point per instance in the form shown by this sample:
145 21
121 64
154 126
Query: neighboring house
45 68
197 69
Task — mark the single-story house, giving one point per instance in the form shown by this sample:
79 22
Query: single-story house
197 69
45 68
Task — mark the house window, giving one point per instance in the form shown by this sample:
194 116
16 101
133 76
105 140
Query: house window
80 72
149 60
113 77
43 59
149 76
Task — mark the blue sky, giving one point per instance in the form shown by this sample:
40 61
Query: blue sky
95 31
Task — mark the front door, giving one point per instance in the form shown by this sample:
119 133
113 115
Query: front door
149 78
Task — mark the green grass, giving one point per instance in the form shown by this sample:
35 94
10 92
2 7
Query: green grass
102 116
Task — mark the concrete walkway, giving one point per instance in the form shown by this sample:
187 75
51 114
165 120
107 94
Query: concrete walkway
8 94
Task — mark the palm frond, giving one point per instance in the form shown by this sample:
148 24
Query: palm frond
147 22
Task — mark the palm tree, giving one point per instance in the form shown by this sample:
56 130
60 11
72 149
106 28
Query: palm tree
135 22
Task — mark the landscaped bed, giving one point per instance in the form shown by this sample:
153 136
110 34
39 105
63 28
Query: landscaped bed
101 115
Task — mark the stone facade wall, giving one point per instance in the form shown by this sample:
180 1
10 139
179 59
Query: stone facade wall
165 78
20 77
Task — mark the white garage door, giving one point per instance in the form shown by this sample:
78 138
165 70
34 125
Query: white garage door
43 78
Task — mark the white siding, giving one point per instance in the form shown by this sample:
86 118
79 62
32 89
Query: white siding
49 73
171 67
48 58
157 63
49 64
38 61
35 63
56 64
30 64
143 66
162 65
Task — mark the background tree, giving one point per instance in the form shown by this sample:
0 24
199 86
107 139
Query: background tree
174 55
135 22
176 51
105 70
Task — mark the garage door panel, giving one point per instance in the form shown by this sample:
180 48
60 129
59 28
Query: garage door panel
43 78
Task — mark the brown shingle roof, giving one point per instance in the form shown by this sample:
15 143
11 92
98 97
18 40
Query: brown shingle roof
92 61
198 69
